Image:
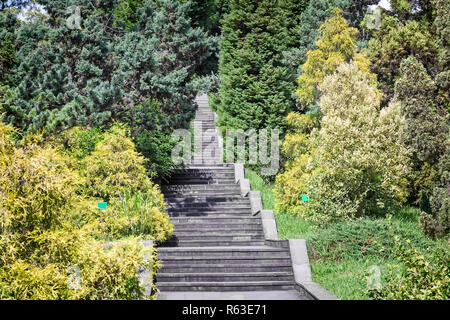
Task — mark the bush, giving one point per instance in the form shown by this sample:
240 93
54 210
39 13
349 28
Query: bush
157 148
421 278
440 199
132 214
114 166
79 142
355 164
46 251
69 264
36 187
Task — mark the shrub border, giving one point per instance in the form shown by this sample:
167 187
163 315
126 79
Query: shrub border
297 247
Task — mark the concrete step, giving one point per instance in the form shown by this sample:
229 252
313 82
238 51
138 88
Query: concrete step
206 214
196 187
195 193
180 243
189 181
216 227
222 234
225 286
208 200
224 252
189 203
223 276
231 209
203 175
228 267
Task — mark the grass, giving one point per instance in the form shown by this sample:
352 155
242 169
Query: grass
257 183
342 253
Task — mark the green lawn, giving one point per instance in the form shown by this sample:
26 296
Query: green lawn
342 253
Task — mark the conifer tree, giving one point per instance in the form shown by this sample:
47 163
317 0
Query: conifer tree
255 87
335 46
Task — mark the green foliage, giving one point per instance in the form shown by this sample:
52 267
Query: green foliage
122 55
37 187
291 184
126 13
140 215
440 198
114 166
355 165
422 278
156 147
335 46
310 21
426 129
79 142
442 25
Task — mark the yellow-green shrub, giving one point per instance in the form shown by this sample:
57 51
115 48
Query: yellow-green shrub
39 242
356 164
36 185
114 166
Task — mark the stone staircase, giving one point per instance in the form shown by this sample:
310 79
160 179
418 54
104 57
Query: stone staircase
218 246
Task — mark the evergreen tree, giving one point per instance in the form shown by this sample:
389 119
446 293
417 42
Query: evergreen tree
7 57
315 14
310 21
426 130
335 46
142 70
354 164
4 4
255 87
442 26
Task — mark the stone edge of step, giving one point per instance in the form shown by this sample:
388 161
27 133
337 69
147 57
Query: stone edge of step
297 247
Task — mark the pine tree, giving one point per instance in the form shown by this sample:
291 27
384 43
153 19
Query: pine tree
89 74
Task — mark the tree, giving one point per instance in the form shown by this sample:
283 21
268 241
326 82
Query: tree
255 87
426 128
335 46
356 165
7 57
104 69
396 40
442 25
310 21
4 4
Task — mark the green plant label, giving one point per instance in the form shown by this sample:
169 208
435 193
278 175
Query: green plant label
102 205
305 198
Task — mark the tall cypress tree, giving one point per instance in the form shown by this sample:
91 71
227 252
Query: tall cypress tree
256 88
